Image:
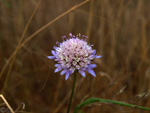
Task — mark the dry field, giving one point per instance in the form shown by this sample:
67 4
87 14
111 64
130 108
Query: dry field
120 32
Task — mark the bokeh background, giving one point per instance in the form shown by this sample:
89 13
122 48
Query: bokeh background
120 32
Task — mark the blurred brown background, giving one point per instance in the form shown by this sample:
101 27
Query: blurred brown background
119 30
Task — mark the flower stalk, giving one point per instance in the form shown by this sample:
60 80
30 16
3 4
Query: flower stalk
74 82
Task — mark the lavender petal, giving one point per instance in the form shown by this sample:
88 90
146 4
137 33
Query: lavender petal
82 73
51 57
92 66
57 65
94 51
67 76
58 69
89 70
53 52
63 72
96 56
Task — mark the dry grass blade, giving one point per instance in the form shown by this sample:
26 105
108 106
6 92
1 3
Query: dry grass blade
13 56
119 31
51 22
25 30
38 31
90 18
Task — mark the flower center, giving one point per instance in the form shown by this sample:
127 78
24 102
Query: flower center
74 54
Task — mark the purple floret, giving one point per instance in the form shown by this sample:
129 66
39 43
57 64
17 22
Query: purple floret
74 54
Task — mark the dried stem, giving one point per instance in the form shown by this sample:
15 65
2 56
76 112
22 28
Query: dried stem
38 31
13 56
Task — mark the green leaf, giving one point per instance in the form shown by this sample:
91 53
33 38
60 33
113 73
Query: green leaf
81 111
92 100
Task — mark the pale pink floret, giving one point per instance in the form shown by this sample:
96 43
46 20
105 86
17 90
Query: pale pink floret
74 54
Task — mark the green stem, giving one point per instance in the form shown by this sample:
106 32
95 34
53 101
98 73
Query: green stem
74 82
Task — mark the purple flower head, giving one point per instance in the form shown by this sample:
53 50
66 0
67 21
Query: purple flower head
74 54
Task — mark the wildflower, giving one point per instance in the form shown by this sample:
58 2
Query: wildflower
74 54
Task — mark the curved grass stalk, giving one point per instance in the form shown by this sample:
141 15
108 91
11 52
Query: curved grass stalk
35 33
92 100
13 56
